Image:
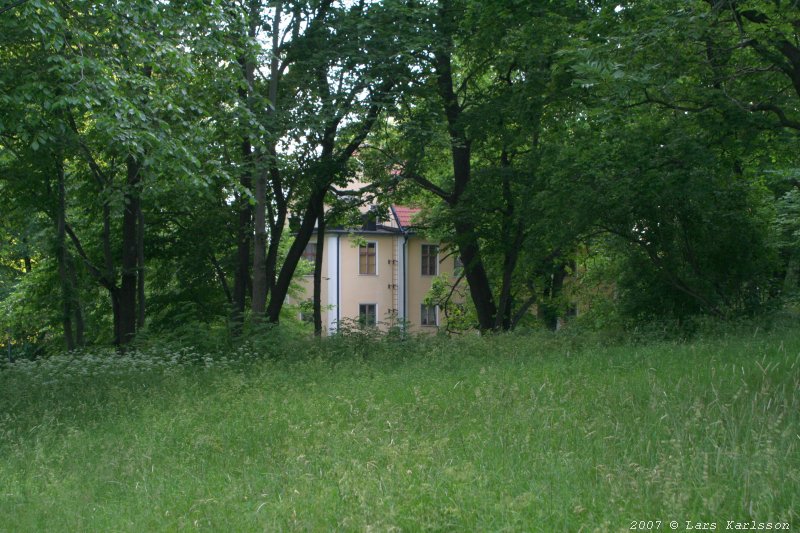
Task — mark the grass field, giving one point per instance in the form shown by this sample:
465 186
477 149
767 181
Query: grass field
507 433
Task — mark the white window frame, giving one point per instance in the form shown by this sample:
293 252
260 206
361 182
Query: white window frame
422 257
377 259
435 316
375 305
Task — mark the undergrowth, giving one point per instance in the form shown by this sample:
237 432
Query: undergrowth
524 432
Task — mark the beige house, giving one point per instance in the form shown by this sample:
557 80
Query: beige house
379 274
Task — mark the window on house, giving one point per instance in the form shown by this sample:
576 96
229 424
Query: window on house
310 254
430 259
367 314
367 258
458 265
307 311
429 317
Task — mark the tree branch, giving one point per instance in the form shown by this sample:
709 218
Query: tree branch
366 126
221 275
428 185
676 107
12 6
93 270
777 111
526 305
97 172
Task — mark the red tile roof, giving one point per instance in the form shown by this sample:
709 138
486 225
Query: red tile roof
404 215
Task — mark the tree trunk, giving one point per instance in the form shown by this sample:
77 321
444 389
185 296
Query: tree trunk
503 320
261 284
223 279
512 235
294 255
128 285
114 294
140 273
105 276
259 296
548 309
61 255
318 269
465 235
279 196
791 276
77 310
244 232
276 222
26 258
110 274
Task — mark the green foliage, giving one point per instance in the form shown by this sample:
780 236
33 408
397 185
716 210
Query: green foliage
663 132
677 145
451 297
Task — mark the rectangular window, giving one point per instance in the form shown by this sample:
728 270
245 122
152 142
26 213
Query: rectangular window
429 316
458 265
307 311
368 258
430 259
367 314
310 254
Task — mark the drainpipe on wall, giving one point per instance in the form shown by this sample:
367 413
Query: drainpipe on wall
405 279
338 277
333 279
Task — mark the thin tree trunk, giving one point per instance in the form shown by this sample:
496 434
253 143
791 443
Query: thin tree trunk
260 282
110 274
548 309
140 272
106 279
223 280
61 255
512 236
259 296
242 280
128 285
523 309
26 258
510 258
277 221
114 293
791 276
244 232
76 305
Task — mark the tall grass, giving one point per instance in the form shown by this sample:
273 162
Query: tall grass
507 433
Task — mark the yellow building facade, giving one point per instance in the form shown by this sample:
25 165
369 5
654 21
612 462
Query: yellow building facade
379 275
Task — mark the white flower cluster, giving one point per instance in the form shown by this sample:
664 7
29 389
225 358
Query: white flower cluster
108 363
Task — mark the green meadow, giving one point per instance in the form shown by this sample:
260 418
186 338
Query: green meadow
503 433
